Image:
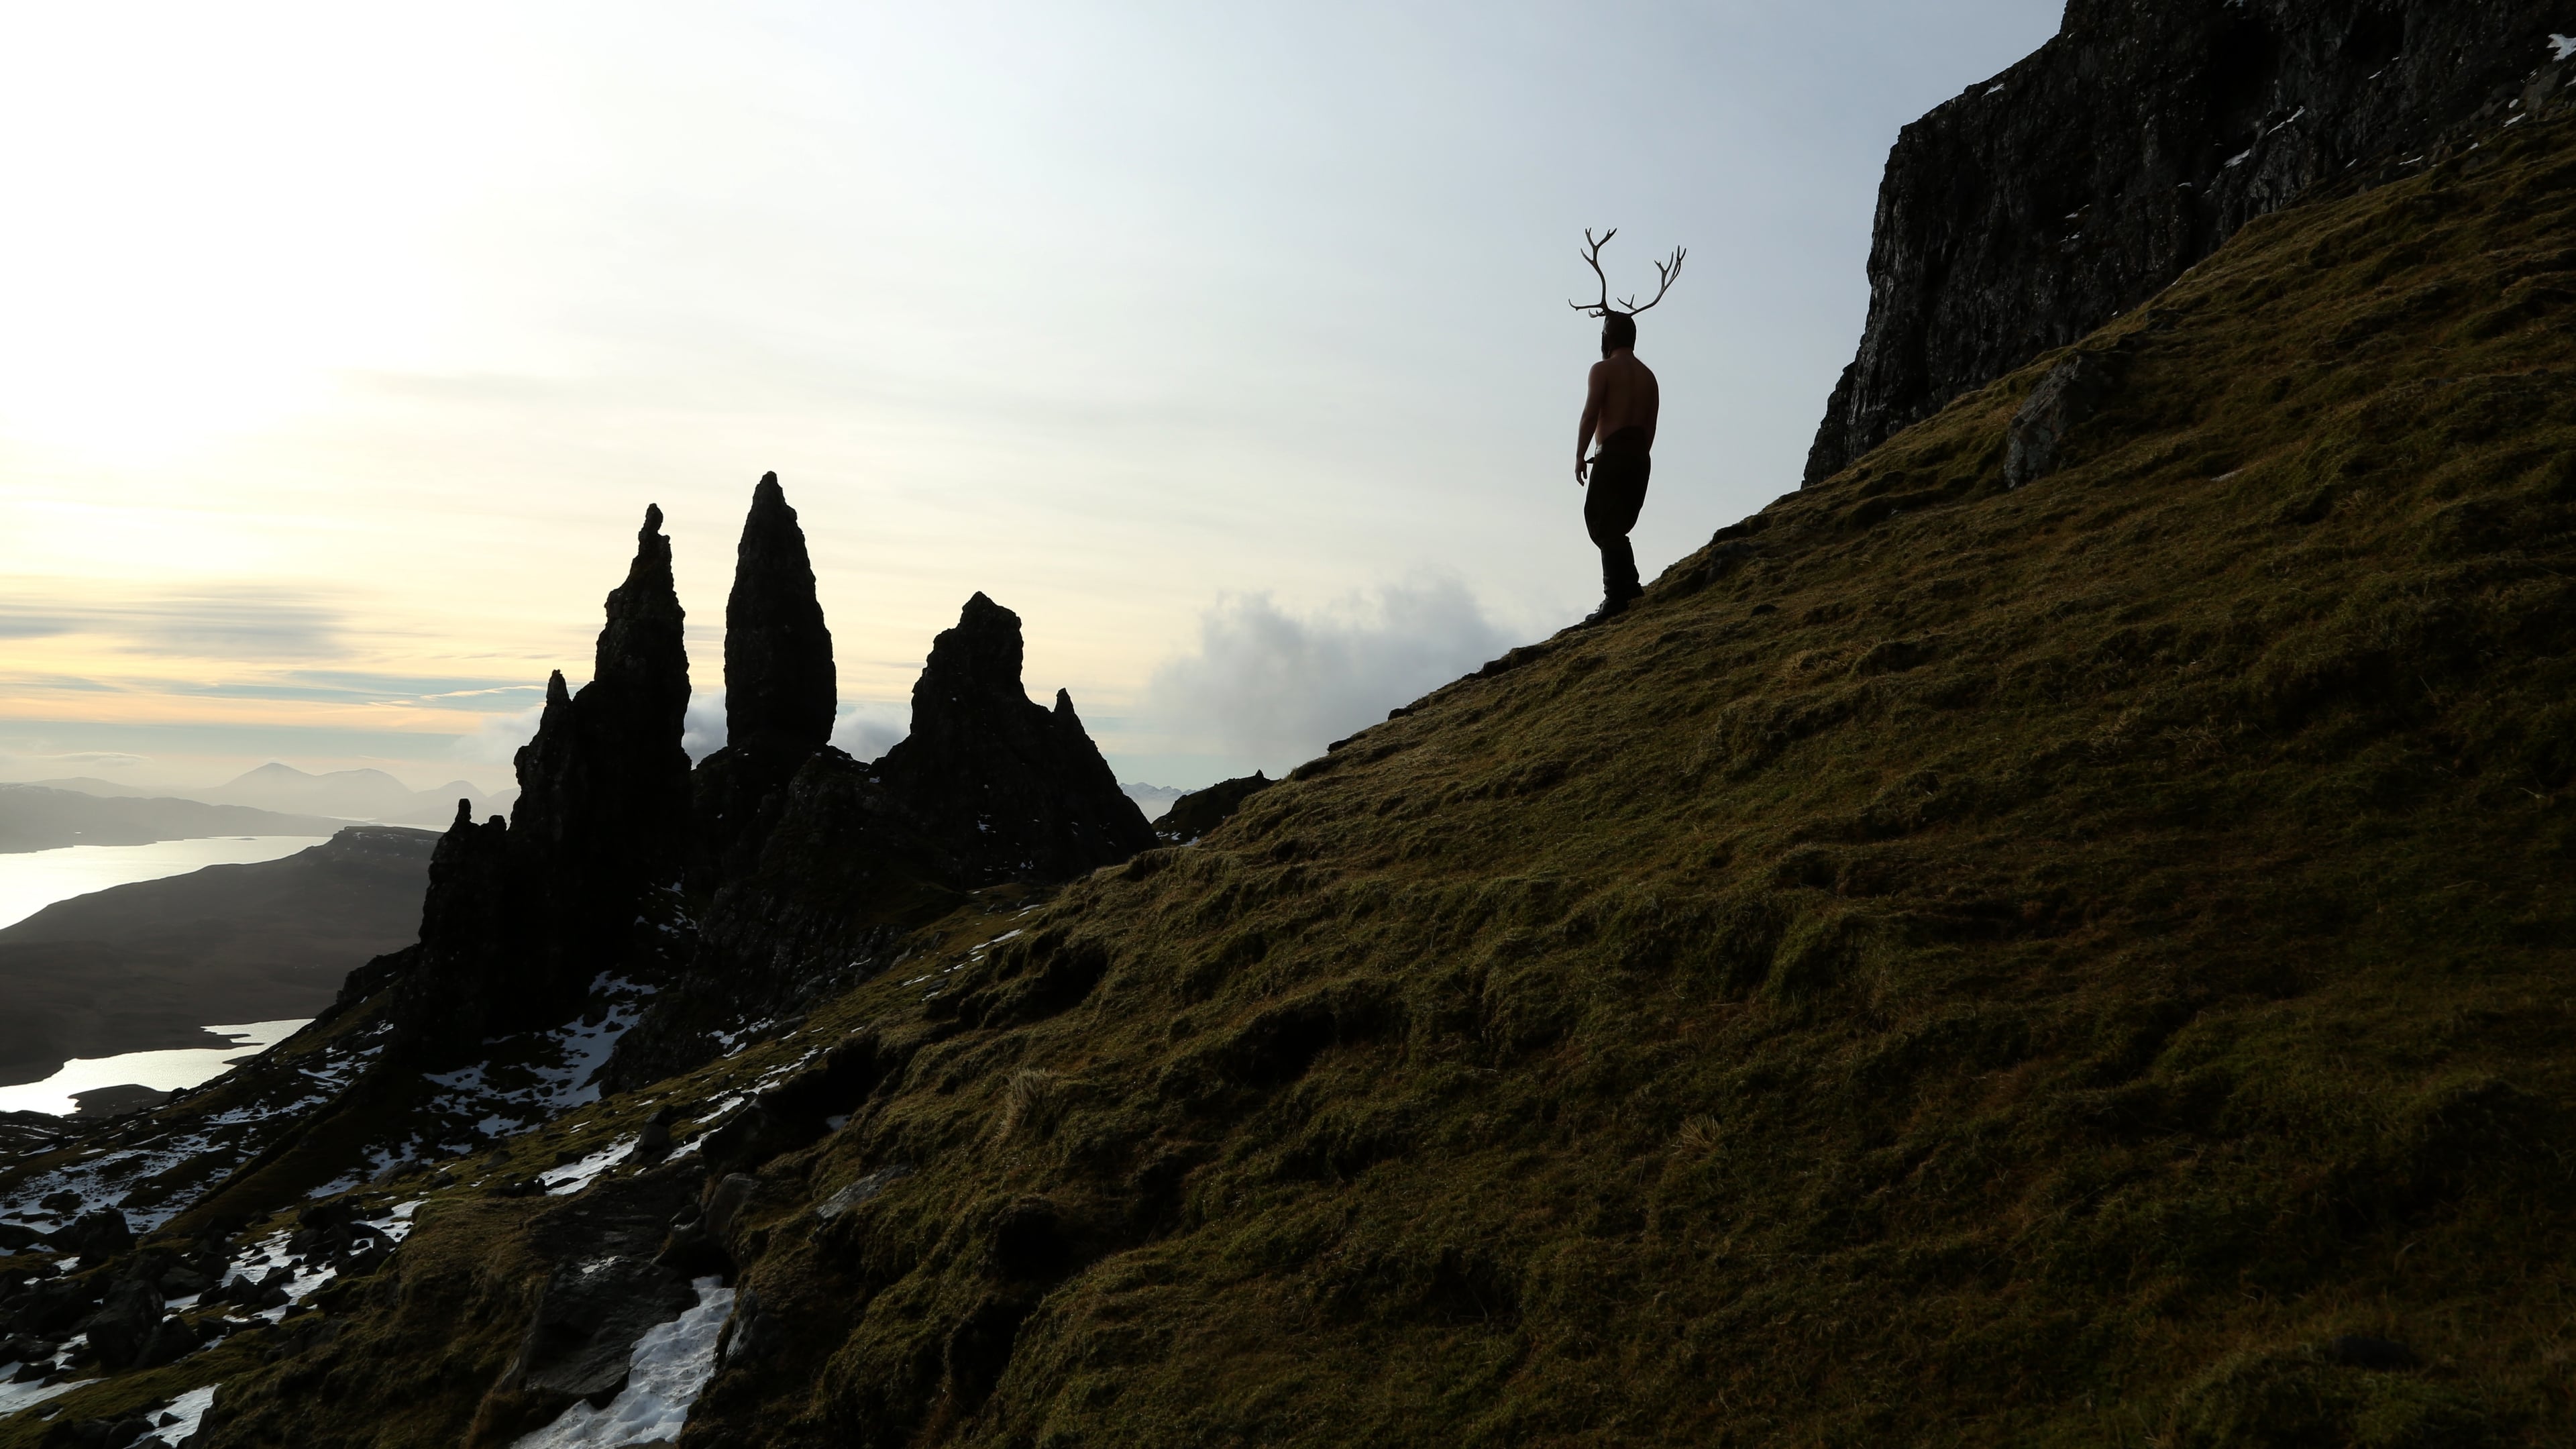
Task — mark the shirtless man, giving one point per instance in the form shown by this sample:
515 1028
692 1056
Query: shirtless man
1620 411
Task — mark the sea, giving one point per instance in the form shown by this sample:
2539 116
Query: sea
34 879
162 1071
31 880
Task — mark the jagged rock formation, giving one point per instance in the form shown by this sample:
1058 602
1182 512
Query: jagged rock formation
1008 790
780 688
2134 904
2041 204
522 917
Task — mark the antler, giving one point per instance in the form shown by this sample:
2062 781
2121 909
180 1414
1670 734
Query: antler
1665 273
1593 258
1665 277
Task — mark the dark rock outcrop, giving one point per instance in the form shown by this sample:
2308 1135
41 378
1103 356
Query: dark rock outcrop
604 1292
1006 788
989 787
124 1323
1200 811
99 1233
2070 394
522 917
603 810
2039 205
779 681
780 689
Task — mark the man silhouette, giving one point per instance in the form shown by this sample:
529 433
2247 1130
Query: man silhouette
1619 410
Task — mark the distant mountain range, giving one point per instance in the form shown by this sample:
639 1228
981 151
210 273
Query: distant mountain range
1153 799
38 817
341 795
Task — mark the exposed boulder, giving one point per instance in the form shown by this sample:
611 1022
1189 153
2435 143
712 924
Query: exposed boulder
1006 788
604 1291
2041 204
780 688
124 1323
2072 392
96 1234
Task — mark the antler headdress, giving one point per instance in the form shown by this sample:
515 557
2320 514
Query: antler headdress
1666 272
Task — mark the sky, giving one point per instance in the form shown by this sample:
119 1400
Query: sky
1228 345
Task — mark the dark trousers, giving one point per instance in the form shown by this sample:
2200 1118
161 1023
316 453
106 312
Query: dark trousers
1610 507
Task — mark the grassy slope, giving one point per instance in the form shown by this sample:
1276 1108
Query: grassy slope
1990 967
1995 966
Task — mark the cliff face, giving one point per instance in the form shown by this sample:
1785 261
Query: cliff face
2037 206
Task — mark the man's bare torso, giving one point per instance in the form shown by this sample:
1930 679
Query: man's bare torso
1623 395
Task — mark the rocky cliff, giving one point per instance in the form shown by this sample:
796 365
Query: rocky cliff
2041 204
1007 789
521 918
988 788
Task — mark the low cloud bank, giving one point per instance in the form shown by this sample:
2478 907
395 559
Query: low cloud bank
1274 688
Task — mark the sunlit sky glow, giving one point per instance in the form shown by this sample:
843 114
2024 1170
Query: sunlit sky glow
345 345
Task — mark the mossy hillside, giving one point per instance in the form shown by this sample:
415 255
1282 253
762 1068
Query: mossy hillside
1990 967
1955 966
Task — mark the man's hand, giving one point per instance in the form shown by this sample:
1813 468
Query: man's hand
1581 477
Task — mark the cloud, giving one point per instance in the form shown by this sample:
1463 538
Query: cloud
702 733
229 622
868 728
98 759
1271 686
497 737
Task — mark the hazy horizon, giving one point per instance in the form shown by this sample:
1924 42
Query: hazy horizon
1231 350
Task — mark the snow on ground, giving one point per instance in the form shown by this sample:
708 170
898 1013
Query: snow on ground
190 1410
2563 47
540 1076
105 1175
669 1367
258 1260
572 1177
14 1397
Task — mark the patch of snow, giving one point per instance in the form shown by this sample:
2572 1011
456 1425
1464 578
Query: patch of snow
664 1376
572 1177
190 1410
2239 159
14 1397
2562 47
268 1254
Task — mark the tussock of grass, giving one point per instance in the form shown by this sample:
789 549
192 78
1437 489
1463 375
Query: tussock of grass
1957 965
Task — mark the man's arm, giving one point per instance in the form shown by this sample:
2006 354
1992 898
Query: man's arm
1591 419
1654 402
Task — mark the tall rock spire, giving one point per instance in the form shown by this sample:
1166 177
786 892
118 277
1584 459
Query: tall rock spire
521 919
779 681
779 690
